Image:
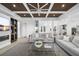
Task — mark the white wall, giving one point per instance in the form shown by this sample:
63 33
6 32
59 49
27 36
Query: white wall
2 33
19 29
28 25
71 18
24 25
48 25
27 28
6 13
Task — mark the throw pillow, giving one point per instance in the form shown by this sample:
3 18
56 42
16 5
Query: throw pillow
66 38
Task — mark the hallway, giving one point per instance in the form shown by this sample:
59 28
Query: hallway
23 48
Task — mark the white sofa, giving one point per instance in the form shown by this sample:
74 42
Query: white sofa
42 36
69 46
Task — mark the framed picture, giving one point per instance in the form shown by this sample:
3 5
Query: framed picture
2 38
4 24
4 28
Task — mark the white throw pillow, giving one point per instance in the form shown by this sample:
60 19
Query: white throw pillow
66 38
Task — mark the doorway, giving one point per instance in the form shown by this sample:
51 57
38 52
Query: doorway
13 30
73 31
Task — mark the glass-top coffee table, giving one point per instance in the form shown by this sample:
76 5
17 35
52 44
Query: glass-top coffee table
40 48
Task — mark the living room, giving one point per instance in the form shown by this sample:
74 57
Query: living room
39 29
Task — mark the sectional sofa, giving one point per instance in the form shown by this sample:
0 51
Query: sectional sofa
69 44
46 37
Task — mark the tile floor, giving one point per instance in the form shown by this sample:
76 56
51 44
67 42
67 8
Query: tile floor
24 48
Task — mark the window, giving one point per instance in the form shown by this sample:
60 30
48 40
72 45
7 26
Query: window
44 29
36 23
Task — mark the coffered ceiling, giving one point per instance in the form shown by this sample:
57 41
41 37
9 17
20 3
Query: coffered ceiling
39 9
62 6
37 15
15 6
54 14
24 14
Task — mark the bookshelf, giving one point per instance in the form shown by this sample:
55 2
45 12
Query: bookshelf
13 30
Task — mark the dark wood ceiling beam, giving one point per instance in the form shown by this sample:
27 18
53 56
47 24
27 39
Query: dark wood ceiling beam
39 12
32 6
51 5
26 6
43 6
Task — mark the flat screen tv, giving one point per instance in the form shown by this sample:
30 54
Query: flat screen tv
4 24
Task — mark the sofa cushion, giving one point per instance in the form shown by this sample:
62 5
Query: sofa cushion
65 43
71 38
75 52
66 38
68 46
76 42
60 37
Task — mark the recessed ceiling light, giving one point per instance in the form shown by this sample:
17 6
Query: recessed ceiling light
24 15
54 15
14 5
39 14
63 5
